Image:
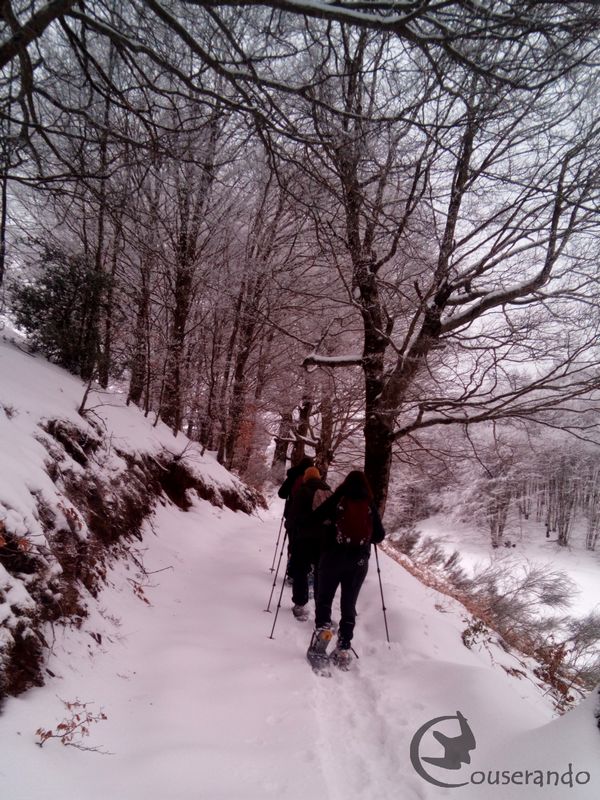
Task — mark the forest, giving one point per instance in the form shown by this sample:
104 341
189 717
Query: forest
363 231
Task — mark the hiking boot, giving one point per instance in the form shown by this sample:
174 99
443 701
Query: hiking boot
300 612
320 640
317 650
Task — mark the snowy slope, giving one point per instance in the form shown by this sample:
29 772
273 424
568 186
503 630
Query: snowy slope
531 544
33 391
71 488
201 703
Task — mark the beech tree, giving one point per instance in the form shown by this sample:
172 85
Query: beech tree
498 202
444 156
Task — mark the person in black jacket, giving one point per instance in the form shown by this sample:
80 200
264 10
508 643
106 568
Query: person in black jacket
292 482
352 524
305 537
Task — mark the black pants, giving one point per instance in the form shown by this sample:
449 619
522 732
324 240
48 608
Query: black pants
304 555
345 568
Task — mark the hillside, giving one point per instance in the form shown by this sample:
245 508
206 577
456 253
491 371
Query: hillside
75 491
173 646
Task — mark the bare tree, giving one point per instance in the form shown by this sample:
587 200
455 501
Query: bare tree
443 343
441 214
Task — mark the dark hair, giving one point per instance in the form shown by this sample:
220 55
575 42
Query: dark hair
356 486
304 463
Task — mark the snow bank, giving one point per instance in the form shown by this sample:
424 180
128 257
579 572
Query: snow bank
71 488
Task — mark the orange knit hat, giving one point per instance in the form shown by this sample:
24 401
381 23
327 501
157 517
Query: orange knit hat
311 472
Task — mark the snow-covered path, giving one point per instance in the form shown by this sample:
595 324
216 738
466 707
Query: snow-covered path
200 703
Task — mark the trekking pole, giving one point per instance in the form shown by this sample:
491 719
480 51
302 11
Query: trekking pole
276 545
277 609
268 608
387 634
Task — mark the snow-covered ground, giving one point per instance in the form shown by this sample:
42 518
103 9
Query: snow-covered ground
201 704
531 545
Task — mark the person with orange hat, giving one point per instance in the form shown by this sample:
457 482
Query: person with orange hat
305 537
287 490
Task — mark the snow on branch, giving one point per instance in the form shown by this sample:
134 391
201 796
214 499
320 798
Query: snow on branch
451 26
313 361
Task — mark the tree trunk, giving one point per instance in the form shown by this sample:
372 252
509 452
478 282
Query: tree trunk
298 450
139 364
6 159
324 451
3 217
281 446
105 361
379 421
238 391
378 458
171 407
252 410
228 365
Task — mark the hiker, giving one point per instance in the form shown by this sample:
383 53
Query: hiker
352 523
292 483
305 535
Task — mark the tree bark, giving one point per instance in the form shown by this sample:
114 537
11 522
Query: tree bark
139 363
236 406
302 427
171 408
324 450
282 441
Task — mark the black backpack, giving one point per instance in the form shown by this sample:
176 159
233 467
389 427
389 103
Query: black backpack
353 522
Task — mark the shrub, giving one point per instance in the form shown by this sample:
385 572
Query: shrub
60 310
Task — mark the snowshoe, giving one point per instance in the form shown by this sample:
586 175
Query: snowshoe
317 651
300 612
341 658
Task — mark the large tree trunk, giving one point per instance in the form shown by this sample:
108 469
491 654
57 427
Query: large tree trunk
6 159
139 363
253 408
378 458
221 451
282 441
378 424
105 361
324 450
193 190
171 407
238 391
3 218
298 450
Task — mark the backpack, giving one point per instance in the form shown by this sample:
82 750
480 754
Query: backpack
319 497
353 522
297 484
